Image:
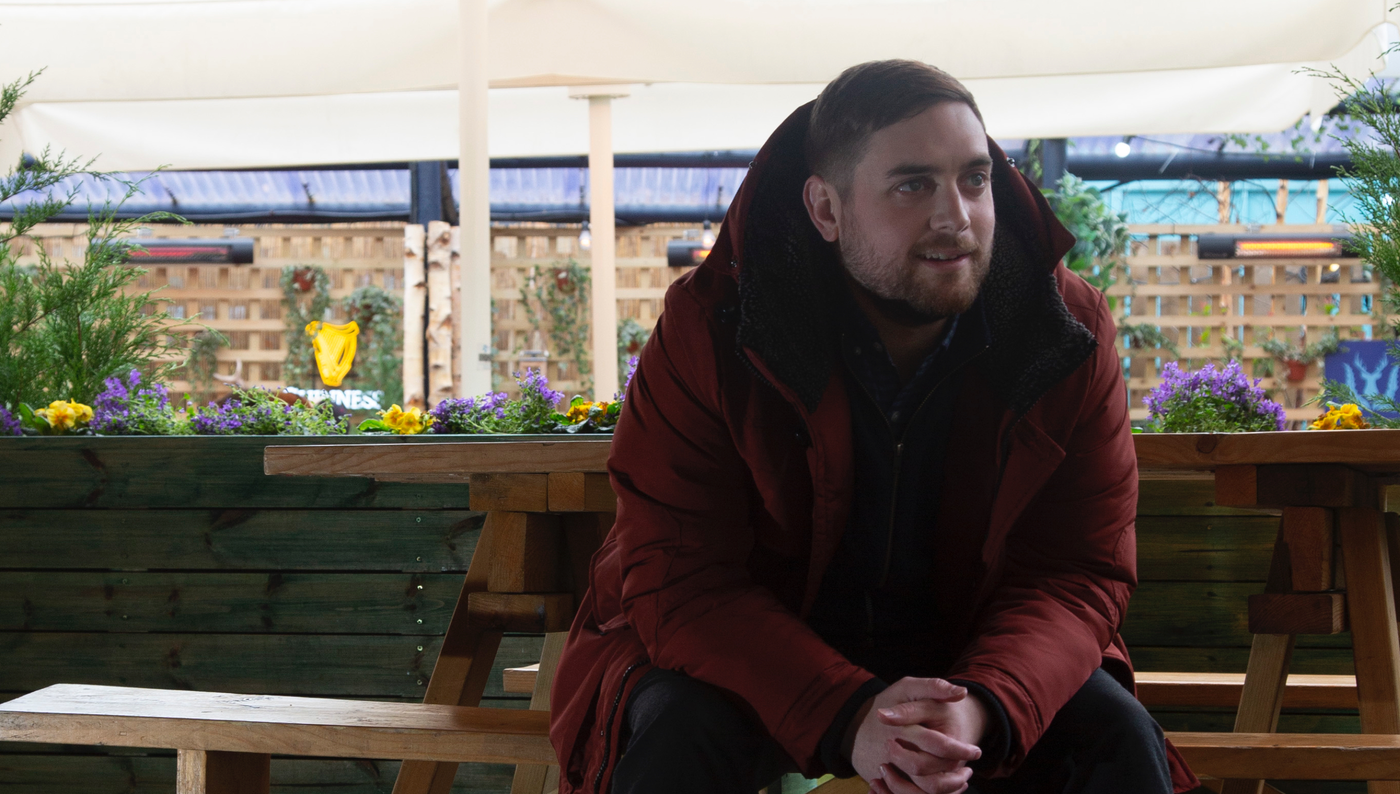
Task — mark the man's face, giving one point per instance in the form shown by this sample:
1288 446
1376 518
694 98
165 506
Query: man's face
915 223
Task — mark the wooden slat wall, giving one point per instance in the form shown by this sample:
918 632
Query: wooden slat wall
1196 302
244 302
176 563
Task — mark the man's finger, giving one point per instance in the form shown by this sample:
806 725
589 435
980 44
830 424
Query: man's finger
914 712
914 762
896 782
907 689
877 786
944 783
938 743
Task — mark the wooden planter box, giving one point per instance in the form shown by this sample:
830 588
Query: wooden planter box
175 562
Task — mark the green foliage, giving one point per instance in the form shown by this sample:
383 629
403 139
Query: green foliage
631 336
533 412
1374 176
306 296
65 327
1101 235
1303 353
260 412
559 296
203 363
1337 393
378 361
1142 336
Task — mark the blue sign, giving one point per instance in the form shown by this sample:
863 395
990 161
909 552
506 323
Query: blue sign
1366 368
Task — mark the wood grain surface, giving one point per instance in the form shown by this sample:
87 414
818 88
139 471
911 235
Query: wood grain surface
1376 451
448 459
131 717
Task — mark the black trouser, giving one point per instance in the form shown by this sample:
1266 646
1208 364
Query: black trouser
684 736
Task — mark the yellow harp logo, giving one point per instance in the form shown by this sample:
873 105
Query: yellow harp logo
335 349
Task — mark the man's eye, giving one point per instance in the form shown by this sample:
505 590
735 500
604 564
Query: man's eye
977 180
912 186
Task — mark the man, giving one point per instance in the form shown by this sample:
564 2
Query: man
876 488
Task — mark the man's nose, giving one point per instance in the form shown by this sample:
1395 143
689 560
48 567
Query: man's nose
949 211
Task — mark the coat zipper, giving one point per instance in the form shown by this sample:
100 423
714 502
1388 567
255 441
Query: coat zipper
607 728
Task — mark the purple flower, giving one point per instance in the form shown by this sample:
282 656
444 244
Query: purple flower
130 407
9 423
1211 400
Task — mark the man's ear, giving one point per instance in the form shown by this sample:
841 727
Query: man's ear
823 207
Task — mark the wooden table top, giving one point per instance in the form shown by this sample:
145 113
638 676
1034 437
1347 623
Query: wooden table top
440 461
1159 454
1375 451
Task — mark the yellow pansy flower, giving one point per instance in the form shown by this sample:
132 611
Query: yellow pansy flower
65 415
579 412
406 423
1341 417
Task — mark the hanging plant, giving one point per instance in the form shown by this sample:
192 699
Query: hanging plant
557 297
203 363
380 366
306 296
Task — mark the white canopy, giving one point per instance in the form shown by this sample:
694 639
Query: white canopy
246 83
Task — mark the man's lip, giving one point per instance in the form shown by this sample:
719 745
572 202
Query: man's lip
943 264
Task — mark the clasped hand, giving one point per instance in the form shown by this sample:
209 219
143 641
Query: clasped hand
917 736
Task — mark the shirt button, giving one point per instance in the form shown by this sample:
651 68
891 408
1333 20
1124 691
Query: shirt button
894 416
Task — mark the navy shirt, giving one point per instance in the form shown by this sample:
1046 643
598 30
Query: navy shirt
877 602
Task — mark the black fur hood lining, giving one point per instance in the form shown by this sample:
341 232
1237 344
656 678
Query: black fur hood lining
789 279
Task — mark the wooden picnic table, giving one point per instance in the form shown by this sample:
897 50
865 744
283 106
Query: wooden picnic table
549 504
1332 560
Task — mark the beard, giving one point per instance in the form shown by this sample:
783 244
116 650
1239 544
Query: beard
905 289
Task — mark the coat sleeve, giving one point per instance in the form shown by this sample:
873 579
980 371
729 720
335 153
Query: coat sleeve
687 507
1069 565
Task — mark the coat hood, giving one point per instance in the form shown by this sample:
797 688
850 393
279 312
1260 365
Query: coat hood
789 277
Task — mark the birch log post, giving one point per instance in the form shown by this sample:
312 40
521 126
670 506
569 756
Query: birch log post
439 312
455 276
415 301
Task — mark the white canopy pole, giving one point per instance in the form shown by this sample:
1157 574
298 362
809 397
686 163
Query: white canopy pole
474 171
602 228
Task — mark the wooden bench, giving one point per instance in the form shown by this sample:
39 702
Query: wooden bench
1154 689
225 742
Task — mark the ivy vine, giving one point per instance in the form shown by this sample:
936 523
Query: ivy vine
631 336
306 296
203 363
379 364
558 296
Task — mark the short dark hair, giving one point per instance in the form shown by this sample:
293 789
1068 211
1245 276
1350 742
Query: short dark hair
865 99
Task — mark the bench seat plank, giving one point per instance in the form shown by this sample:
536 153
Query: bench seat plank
185 720
1291 756
1223 690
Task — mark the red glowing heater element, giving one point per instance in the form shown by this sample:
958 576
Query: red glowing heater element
697 257
1274 246
219 251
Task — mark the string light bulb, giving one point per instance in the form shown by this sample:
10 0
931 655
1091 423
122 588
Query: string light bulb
1122 148
585 238
707 238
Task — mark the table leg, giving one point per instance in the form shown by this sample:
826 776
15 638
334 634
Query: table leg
462 669
534 778
1371 613
216 772
1267 675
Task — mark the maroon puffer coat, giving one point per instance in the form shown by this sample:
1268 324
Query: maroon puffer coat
732 466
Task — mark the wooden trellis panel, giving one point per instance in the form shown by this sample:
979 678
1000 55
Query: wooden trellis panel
1197 303
245 301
